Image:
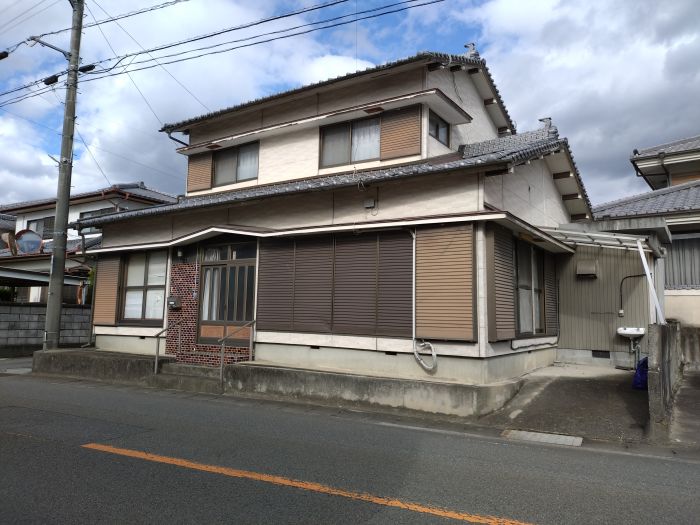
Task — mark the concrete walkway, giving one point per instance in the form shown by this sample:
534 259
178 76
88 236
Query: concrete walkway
685 420
589 401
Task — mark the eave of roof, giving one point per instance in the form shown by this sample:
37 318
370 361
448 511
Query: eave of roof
474 61
632 206
513 150
685 145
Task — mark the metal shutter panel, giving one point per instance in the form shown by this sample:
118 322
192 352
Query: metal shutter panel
500 283
445 283
355 285
400 133
275 285
551 307
313 283
199 172
395 284
106 290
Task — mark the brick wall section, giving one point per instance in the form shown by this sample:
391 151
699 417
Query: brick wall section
184 283
22 325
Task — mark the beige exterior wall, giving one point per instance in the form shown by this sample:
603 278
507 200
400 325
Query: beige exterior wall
459 87
529 193
438 194
683 305
588 308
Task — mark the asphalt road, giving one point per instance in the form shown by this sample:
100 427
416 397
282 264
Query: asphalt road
209 459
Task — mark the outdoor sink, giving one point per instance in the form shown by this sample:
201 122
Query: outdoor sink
630 332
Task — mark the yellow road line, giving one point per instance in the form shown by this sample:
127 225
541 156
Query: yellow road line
306 485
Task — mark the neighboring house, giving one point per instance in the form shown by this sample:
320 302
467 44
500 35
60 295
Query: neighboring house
674 211
7 223
27 271
358 218
669 164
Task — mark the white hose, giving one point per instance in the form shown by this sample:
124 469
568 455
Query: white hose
421 362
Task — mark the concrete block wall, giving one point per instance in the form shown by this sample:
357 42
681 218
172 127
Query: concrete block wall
22 325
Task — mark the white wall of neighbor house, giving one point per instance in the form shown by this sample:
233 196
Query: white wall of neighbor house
684 306
438 194
128 344
528 193
459 87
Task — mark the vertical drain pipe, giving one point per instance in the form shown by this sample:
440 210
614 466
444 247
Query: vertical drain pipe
423 344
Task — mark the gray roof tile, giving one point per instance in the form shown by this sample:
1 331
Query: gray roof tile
673 200
678 146
474 61
507 149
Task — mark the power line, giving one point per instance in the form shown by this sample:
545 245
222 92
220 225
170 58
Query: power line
93 157
22 13
29 17
164 68
130 77
252 43
118 17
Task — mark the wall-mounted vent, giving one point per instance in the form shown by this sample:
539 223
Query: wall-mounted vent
587 268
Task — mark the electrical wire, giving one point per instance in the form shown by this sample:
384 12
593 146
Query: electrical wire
163 67
8 22
254 43
148 104
92 156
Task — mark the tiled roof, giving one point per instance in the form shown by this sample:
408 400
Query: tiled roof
507 149
678 146
72 246
132 188
474 61
667 201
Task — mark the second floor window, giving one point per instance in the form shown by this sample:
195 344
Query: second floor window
439 129
43 227
95 213
350 142
236 164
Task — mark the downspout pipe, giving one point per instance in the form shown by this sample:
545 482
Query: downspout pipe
423 344
170 136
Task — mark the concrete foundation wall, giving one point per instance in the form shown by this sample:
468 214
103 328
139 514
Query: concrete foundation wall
586 357
129 344
463 370
690 347
665 374
22 326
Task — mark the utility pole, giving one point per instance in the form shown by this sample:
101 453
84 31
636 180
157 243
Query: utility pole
52 328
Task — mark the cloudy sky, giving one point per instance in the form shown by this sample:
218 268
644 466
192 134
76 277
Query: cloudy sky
614 76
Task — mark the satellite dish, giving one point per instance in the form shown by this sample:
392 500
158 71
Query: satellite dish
28 242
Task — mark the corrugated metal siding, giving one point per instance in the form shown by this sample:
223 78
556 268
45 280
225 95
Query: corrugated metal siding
683 264
313 284
588 307
106 290
395 292
551 307
445 283
500 282
199 172
275 285
355 286
400 133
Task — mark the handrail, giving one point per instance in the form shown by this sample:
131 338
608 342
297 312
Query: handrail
179 341
227 336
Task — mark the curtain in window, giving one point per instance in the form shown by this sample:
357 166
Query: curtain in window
225 166
365 139
336 147
247 162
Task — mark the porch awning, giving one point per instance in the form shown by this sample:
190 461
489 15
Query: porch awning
15 277
599 240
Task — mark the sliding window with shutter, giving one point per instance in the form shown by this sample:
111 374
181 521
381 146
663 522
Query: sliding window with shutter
347 285
199 172
106 291
393 134
500 264
445 298
551 295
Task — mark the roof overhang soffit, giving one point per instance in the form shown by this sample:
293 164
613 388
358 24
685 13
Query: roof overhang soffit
434 98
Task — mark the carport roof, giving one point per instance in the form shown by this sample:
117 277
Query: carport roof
15 277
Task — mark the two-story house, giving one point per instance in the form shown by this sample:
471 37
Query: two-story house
26 265
361 223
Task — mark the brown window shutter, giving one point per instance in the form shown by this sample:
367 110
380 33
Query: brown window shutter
551 306
355 285
395 284
400 133
445 283
500 265
199 172
106 290
313 283
275 285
